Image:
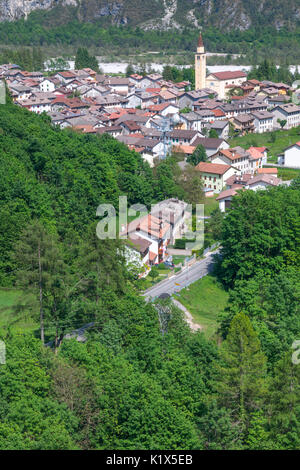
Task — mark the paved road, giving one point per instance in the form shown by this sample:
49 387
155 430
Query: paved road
178 282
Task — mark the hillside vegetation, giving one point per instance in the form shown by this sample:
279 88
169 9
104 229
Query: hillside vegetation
141 379
258 29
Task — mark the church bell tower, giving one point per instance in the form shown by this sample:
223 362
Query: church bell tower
200 65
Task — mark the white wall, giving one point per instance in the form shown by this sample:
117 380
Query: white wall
292 157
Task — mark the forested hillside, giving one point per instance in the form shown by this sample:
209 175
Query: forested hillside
135 384
43 30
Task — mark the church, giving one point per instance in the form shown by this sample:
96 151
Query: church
220 82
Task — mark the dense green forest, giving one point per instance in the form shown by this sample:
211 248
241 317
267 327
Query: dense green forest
142 380
257 43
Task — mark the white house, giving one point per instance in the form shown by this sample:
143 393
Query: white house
287 112
291 156
164 109
214 175
263 121
118 85
211 145
241 183
37 105
151 234
236 157
47 85
20 92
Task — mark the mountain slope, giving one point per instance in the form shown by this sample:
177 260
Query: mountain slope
163 14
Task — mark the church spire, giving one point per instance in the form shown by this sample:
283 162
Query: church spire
200 41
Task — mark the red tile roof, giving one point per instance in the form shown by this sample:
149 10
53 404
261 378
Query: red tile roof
229 75
186 149
265 171
213 168
159 107
225 194
255 153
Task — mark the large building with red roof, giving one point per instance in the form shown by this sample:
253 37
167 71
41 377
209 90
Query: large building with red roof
214 175
222 82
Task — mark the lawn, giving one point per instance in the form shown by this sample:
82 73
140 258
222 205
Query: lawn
287 174
9 298
147 282
205 299
177 259
210 204
276 141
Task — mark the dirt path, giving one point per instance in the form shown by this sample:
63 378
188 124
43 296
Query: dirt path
188 316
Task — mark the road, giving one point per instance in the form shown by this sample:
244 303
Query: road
178 282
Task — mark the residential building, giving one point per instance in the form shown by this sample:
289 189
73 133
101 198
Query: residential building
237 183
215 175
236 157
243 123
211 145
151 234
222 128
288 112
263 121
291 156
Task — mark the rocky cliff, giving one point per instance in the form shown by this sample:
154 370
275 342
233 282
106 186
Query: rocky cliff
165 14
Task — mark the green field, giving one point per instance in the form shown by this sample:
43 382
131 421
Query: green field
210 204
205 299
9 299
178 259
275 141
287 174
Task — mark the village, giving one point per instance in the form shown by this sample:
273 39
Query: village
156 117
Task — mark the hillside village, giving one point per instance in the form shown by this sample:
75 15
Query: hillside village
156 117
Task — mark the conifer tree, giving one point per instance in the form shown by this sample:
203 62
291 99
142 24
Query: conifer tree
198 156
285 404
241 377
40 271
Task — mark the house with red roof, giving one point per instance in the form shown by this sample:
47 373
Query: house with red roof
164 109
214 175
237 183
151 234
66 76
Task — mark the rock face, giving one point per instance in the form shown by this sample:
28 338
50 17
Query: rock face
165 14
14 9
